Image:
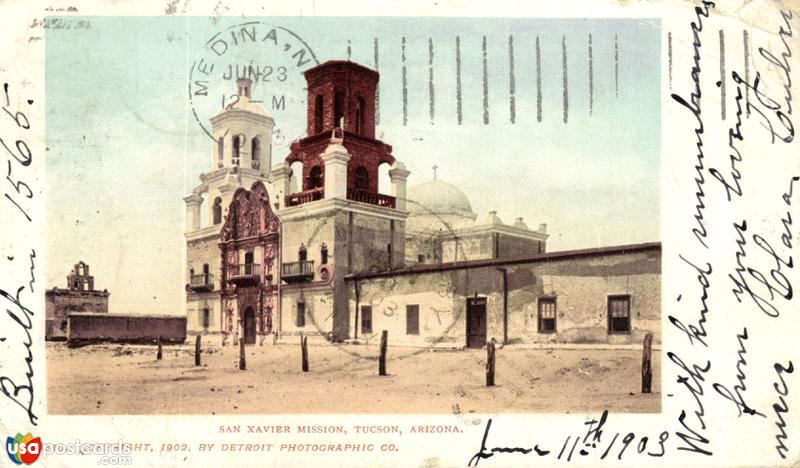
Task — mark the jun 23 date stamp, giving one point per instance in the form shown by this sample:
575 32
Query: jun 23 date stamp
272 56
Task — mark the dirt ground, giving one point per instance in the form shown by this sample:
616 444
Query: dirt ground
127 379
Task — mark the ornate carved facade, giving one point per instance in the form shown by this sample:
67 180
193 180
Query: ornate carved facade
249 246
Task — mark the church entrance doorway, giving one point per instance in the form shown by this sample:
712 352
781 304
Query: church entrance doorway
249 326
476 322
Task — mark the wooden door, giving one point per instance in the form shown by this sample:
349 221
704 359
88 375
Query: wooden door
476 322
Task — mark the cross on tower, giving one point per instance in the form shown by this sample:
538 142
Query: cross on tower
434 171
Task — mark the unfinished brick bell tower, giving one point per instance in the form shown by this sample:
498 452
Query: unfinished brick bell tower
341 108
334 219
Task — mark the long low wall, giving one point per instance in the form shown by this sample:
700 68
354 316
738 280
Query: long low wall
93 327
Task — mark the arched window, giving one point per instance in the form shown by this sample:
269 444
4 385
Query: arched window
217 210
255 153
315 177
361 181
318 114
361 108
220 149
237 145
338 109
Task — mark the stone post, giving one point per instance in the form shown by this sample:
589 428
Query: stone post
647 365
304 352
335 159
242 358
197 349
490 361
399 175
382 358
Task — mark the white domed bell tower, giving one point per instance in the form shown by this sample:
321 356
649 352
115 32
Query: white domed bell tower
242 132
241 155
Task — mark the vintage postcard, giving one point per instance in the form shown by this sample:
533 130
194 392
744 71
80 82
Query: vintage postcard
344 234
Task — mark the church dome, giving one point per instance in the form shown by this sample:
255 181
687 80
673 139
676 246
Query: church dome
440 198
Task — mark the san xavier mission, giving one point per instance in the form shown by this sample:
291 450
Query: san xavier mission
302 274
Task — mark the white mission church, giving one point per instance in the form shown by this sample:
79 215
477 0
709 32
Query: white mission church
310 245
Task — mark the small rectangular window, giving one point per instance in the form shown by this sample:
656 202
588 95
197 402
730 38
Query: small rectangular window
547 315
366 319
619 314
206 318
421 258
300 318
412 319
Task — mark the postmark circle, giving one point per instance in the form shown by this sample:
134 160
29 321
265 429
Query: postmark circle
272 56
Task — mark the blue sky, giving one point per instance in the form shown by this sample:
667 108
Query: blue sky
124 146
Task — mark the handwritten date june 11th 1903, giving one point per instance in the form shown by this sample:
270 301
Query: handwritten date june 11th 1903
591 443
